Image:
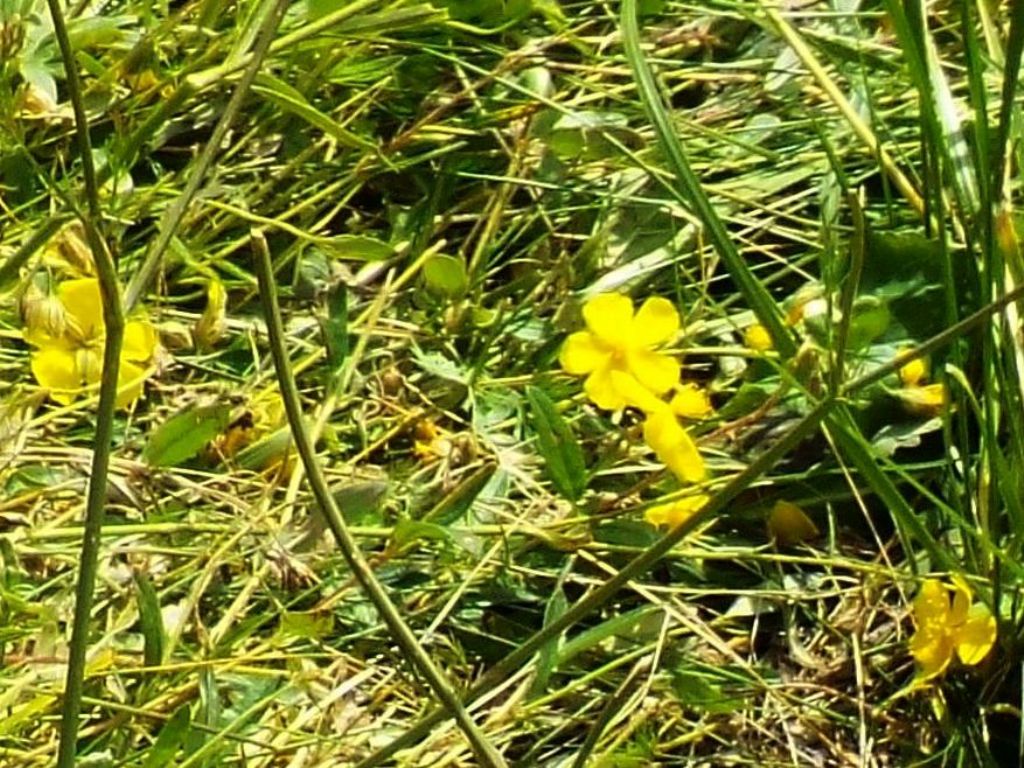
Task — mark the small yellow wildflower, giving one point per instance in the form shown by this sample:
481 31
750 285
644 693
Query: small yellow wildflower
757 338
616 352
691 402
68 360
914 373
927 400
788 524
675 513
946 626
673 445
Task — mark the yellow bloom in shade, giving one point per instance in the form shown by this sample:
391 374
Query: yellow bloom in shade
69 361
675 513
616 352
926 400
691 402
945 627
757 338
673 445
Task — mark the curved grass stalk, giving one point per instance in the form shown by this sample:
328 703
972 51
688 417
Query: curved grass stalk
113 318
485 753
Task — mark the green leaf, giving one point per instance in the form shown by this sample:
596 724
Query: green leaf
457 503
618 626
334 328
181 437
171 736
696 690
563 457
152 622
291 100
357 248
445 275
547 656
410 531
305 625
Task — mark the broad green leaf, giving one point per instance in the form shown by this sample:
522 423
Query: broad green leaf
563 457
446 275
171 736
181 437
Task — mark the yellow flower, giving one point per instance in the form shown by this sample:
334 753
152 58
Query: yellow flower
691 402
927 400
67 361
675 513
673 445
616 352
945 627
757 338
915 372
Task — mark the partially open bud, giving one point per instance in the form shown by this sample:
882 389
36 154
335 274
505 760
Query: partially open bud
42 313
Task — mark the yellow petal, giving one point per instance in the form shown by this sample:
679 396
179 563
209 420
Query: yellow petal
675 513
602 392
658 372
931 605
932 650
756 337
130 378
673 446
961 604
691 402
928 400
84 305
634 393
976 636
609 316
583 353
656 323
55 369
914 372
139 342
790 525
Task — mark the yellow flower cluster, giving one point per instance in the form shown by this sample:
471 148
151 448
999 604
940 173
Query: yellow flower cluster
618 355
946 626
68 337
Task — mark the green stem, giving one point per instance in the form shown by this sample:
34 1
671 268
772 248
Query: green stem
485 753
113 317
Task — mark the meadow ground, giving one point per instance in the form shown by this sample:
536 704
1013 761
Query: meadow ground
512 383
